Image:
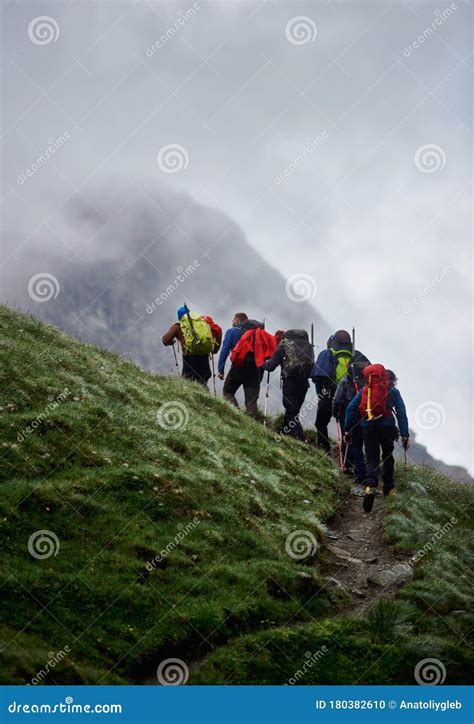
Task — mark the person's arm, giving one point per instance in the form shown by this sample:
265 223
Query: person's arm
173 333
352 413
276 359
401 413
227 346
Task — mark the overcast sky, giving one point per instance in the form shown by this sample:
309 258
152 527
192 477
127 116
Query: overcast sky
376 210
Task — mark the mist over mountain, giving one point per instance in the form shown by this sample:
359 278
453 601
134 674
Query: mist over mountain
125 268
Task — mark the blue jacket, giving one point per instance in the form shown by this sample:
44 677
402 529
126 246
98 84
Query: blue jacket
231 338
395 402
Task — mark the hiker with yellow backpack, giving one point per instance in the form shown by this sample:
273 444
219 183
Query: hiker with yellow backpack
375 405
200 338
329 369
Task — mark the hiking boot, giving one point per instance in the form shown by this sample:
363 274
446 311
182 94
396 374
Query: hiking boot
388 490
369 497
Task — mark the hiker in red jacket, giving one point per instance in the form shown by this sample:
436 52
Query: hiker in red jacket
250 346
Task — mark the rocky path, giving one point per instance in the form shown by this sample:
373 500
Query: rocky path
359 559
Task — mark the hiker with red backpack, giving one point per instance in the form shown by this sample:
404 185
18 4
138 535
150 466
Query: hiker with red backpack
347 389
375 406
199 337
331 366
249 345
295 355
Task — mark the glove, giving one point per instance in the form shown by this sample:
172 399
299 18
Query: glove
347 437
406 442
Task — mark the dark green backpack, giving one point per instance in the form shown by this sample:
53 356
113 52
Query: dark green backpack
299 354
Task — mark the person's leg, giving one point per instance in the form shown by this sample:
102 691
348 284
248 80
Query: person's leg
323 418
302 389
292 404
196 367
251 382
372 454
387 443
356 454
232 383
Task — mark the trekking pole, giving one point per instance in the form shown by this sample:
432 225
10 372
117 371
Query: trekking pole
213 375
406 466
339 444
312 335
175 359
266 401
353 340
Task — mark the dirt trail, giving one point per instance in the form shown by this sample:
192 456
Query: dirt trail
359 559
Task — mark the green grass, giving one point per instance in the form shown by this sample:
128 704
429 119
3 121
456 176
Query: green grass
83 456
431 617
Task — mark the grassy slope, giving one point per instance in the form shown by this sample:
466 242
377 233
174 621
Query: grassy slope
430 618
115 488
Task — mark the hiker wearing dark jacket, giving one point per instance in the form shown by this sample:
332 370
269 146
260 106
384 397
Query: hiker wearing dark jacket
294 355
329 368
248 377
379 434
195 366
346 390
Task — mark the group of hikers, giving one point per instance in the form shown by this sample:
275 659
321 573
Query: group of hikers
362 397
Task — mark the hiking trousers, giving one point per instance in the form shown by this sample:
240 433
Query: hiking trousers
294 393
196 367
323 418
249 378
379 439
355 454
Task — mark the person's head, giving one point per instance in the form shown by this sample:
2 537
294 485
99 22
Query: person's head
181 312
340 340
238 318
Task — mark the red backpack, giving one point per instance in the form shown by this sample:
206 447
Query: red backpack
254 347
216 332
374 400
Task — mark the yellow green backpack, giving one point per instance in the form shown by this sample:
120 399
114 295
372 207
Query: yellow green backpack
343 357
197 334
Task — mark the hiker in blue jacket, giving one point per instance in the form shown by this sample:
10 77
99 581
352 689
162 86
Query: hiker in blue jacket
378 427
